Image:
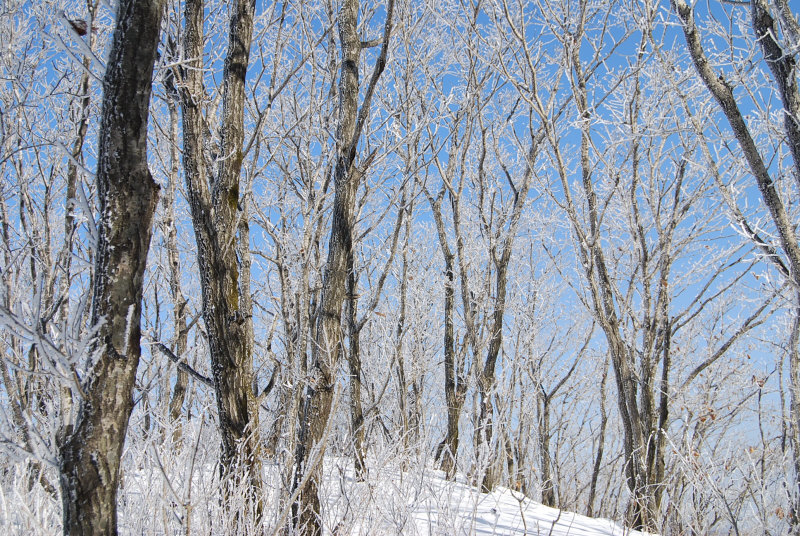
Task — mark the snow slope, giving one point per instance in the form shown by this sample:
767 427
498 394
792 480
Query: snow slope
417 501
426 504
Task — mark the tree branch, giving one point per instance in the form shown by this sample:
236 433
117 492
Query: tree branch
183 365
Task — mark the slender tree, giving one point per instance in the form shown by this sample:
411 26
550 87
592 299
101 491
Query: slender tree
777 39
327 339
453 165
355 325
180 305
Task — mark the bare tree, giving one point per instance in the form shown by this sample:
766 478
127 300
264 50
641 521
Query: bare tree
454 165
327 337
355 325
41 155
218 211
90 451
413 75
437 235
777 40
632 293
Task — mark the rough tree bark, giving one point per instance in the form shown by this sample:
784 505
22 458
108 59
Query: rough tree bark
327 338
216 206
90 453
723 94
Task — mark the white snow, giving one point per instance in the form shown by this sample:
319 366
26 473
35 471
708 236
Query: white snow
161 499
426 504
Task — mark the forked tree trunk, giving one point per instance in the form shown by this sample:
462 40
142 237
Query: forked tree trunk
500 254
454 382
216 207
90 453
635 390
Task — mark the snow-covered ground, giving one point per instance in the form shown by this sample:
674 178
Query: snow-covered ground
158 499
427 504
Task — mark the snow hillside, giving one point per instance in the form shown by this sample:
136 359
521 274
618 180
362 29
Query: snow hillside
166 496
406 504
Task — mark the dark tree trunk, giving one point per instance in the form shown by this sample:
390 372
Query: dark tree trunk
90 453
487 380
354 327
794 405
354 364
328 327
548 487
601 439
179 302
454 384
409 423
635 388
217 209
327 331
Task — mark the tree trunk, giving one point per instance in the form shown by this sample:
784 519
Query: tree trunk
328 327
179 302
327 331
221 235
447 451
601 439
548 488
794 404
487 380
90 453
455 386
635 415
408 424
354 365
500 254
354 327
